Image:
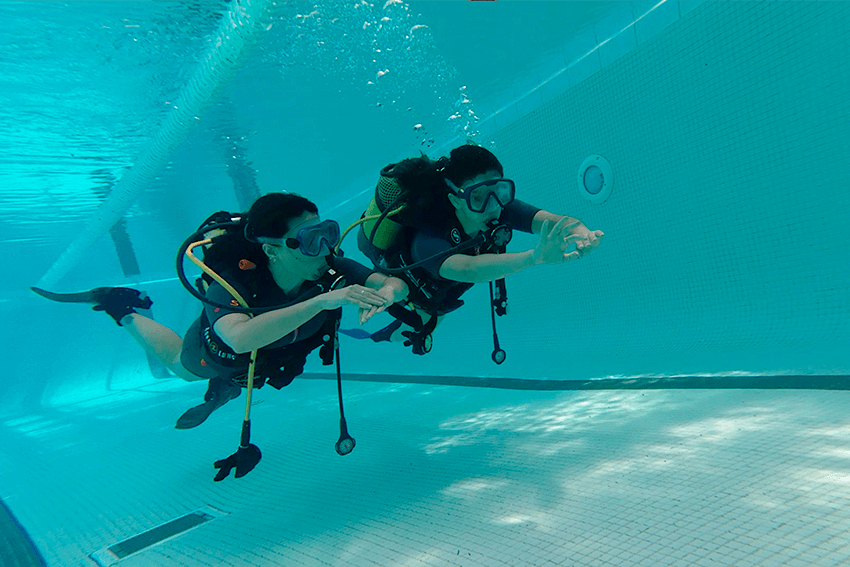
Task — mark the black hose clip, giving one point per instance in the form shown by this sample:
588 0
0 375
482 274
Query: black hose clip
500 298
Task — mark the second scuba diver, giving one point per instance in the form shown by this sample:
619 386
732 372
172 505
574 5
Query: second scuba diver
443 225
281 261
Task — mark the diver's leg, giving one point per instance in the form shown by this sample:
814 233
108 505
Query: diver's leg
160 341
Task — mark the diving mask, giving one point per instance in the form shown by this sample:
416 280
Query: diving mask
314 240
479 196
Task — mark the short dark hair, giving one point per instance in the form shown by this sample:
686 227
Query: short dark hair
271 214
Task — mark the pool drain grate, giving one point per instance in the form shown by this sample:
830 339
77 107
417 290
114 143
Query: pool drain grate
114 553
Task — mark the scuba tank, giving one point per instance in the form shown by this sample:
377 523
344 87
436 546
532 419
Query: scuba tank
382 231
402 199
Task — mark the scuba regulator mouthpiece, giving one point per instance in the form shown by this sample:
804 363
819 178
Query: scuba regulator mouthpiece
331 279
498 234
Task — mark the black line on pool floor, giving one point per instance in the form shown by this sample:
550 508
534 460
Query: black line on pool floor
677 383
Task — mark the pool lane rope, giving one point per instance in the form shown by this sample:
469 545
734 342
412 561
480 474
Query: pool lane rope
240 29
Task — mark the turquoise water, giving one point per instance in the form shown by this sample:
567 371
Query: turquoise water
725 251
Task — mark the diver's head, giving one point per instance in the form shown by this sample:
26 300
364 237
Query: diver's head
476 187
292 234
469 161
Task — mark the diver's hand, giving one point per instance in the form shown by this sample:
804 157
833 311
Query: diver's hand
363 297
392 291
366 314
554 240
243 460
592 238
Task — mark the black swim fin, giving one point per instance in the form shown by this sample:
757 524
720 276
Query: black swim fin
387 332
219 392
378 336
115 301
356 333
96 296
83 297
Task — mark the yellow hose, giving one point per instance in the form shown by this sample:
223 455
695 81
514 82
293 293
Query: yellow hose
241 301
364 219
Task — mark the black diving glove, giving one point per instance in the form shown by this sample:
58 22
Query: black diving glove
243 460
118 302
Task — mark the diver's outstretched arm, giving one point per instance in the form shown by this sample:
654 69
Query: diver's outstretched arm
244 334
554 240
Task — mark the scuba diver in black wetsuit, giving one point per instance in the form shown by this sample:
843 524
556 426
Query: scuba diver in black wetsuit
443 225
281 261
